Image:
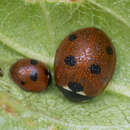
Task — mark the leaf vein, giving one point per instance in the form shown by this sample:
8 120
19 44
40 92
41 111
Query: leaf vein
20 49
110 11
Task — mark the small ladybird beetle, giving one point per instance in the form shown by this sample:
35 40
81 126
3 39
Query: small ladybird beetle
30 74
84 64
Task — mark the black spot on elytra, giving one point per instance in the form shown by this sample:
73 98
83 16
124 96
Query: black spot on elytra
33 75
109 50
75 87
33 62
70 60
72 37
95 69
22 82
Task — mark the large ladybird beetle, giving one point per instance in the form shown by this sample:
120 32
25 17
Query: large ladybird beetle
84 64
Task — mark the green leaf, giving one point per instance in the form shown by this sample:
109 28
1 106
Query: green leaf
35 28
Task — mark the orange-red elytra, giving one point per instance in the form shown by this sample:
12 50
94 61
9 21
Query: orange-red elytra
30 74
84 64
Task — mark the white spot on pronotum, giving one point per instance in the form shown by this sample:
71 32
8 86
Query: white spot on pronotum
81 93
67 88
